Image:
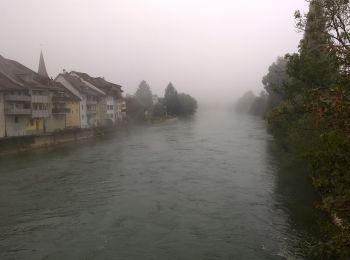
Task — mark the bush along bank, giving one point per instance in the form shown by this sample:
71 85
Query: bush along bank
308 112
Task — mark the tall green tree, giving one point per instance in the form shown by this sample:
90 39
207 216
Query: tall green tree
274 82
312 67
144 94
171 100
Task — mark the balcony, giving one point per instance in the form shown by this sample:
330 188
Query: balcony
91 102
40 99
17 111
59 99
60 110
91 112
40 113
22 98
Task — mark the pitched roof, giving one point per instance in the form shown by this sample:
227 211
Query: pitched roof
60 90
21 75
79 85
6 83
100 83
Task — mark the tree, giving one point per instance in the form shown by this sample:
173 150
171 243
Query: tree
336 20
244 104
188 105
274 82
314 118
159 109
258 106
313 67
135 110
171 100
144 94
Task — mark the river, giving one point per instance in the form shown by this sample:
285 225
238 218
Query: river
208 187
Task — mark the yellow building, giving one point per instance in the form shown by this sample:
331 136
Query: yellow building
35 126
73 117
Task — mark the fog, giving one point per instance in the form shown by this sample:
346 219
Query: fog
211 49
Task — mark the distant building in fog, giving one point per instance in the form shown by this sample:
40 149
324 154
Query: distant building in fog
155 99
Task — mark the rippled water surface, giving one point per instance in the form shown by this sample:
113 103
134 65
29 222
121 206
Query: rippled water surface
210 187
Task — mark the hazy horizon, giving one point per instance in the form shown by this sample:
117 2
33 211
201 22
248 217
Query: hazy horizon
213 50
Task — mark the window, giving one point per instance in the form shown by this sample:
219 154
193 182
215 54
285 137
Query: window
16 119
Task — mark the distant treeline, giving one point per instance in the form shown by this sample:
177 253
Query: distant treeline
249 103
270 97
144 106
307 105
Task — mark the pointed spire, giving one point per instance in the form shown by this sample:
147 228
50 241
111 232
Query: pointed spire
42 68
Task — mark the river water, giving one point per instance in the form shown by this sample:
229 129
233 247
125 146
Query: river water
209 187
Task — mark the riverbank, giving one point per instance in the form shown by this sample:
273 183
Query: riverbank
13 145
159 120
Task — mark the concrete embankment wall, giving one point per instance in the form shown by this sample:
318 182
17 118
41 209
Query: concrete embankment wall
23 143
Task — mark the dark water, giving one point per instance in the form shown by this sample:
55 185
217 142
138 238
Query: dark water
210 187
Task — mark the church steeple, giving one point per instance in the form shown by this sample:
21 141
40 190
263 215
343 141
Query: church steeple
42 68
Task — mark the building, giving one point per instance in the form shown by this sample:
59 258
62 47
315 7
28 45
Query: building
26 97
64 107
110 104
121 109
88 100
30 103
155 99
33 104
2 116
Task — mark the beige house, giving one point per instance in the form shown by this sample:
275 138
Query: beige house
27 101
62 110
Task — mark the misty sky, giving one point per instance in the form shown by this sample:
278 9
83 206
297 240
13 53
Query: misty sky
212 49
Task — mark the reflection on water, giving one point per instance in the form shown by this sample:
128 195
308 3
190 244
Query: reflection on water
209 187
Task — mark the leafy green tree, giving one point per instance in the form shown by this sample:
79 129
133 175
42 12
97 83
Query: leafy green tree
336 20
171 100
313 67
144 94
274 82
135 110
188 105
314 118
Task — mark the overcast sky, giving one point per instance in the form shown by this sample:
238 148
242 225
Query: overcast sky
212 49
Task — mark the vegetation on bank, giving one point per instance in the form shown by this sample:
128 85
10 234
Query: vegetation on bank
307 105
144 106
